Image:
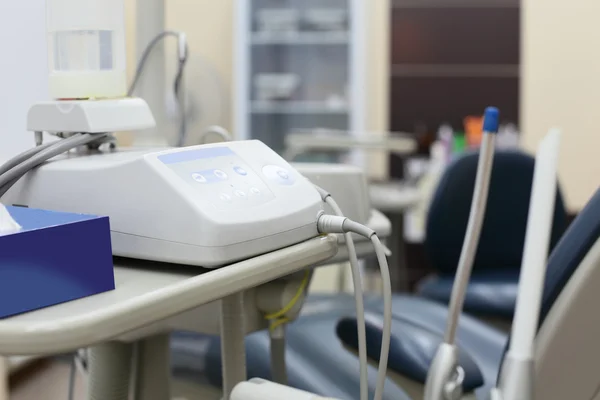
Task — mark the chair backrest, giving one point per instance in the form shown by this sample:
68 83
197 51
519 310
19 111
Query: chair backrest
567 344
503 233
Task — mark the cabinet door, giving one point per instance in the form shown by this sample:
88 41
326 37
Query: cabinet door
299 74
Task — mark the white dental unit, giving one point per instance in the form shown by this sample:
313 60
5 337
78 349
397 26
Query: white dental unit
206 205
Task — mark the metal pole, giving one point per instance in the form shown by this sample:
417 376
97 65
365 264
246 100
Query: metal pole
4 375
110 371
233 349
153 368
398 267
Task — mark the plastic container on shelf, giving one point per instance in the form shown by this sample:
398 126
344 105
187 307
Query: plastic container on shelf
278 20
326 19
272 87
86 48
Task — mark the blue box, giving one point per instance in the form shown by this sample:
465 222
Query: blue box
56 257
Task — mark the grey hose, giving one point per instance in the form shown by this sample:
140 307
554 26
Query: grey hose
216 130
358 296
387 317
469 249
8 179
359 303
144 59
183 58
27 154
18 159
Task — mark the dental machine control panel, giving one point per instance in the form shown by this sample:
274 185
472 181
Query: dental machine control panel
224 179
203 205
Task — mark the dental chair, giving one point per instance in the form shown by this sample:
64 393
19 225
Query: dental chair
492 290
321 345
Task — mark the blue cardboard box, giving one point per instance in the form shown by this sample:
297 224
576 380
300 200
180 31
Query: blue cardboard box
56 257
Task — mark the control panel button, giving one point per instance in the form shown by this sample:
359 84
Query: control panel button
199 178
278 174
240 171
240 194
255 191
220 174
225 197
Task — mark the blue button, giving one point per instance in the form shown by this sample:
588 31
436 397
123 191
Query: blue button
199 178
240 171
225 197
278 174
220 174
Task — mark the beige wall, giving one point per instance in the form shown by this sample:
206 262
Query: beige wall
561 87
209 25
378 82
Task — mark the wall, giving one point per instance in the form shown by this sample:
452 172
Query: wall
561 87
378 72
209 25
23 70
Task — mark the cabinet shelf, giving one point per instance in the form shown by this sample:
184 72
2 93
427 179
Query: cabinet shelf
299 38
455 71
296 107
455 3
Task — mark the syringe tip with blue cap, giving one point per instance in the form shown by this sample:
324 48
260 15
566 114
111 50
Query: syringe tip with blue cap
491 120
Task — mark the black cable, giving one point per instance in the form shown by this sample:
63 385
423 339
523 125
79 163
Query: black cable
72 372
180 103
148 50
183 51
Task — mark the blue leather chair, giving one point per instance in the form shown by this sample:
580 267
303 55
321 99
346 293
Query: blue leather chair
493 288
317 355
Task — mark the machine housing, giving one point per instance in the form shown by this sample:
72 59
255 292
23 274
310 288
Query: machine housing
203 205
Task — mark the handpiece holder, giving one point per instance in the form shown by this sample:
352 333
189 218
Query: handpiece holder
445 377
517 374
260 389
90 116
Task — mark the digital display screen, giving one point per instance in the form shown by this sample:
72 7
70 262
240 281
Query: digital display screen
197 154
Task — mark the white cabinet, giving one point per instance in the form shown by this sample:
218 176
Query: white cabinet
299 65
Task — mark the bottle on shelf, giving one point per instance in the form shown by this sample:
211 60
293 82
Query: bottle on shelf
508 137
445 136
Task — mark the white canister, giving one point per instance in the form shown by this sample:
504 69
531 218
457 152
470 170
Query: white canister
86 48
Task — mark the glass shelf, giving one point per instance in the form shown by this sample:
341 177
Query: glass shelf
297 107
300 38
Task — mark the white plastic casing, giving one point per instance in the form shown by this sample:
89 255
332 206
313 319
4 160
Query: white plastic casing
90 116
260 389
347 184
86 48
7 223
203 205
